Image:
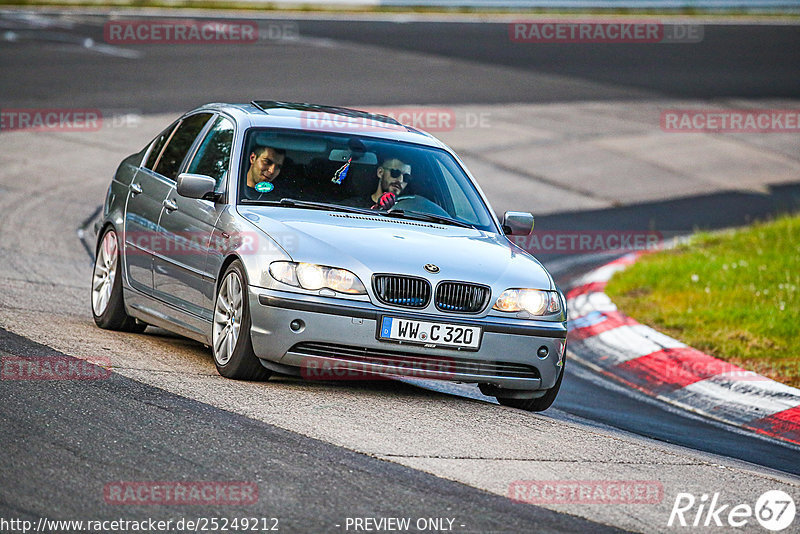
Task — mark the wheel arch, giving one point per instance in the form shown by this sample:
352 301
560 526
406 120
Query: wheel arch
224 267
101 232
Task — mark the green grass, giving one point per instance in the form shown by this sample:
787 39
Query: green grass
734 295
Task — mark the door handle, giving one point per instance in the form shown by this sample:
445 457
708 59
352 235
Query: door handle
136 189
170 205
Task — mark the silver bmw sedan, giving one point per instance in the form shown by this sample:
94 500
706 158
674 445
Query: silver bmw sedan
329 243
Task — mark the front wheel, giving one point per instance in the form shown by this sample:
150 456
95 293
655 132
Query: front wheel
539 404
230 335
108 306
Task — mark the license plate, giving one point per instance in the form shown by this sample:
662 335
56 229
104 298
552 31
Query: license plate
432 334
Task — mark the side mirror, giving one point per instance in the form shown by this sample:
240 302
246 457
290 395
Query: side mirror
517 223
196 186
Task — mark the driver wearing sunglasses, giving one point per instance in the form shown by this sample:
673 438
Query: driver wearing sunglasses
393 176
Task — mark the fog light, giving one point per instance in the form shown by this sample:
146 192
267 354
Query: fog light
297 325
542 352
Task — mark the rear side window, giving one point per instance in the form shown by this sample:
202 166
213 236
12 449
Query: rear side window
214 154
179 145
158 144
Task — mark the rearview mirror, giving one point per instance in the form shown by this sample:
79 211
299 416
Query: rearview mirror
517 223
196 186
366 158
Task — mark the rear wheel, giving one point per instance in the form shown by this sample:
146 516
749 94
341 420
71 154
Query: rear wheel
230 336
539 404
108 307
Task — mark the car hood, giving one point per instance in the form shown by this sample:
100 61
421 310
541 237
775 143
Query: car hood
368 244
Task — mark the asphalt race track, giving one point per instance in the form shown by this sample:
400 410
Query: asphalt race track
732 61
325 480
319 452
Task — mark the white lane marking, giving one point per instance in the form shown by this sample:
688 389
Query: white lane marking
737 398
29 26
662 340
584 304
116 51
621 344
319 42
34 20
595 374
482 18
68 40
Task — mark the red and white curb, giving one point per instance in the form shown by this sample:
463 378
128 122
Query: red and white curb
619 347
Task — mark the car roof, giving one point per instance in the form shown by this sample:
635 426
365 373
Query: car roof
316 117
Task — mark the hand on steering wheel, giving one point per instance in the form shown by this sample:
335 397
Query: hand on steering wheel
386 201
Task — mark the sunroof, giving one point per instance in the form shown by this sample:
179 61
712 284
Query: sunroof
267 105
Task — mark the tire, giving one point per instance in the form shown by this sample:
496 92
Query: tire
230 338
539 404
108 306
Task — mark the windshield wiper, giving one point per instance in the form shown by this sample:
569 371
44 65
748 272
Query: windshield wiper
404 214
292 203
420 216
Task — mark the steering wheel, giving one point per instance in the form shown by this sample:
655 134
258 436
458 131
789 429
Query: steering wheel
420 204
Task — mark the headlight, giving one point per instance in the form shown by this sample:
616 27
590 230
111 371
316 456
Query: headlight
533 301
313 277
310 276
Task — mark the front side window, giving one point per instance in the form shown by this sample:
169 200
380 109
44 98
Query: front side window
214 154
157 145
358 171
179 144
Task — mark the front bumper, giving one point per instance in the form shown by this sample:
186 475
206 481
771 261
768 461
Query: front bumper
343 334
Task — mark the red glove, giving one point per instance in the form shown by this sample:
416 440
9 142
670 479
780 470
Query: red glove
386 201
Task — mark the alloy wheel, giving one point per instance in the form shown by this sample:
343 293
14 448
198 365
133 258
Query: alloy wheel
105 272
227 318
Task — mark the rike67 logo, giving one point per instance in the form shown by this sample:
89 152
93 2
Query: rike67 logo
774 510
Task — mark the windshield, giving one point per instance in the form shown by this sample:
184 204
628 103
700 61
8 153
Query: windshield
399 179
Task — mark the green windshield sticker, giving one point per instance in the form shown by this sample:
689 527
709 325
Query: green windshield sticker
264 187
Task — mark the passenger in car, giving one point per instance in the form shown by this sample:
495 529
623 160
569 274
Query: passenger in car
393 176
265 166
